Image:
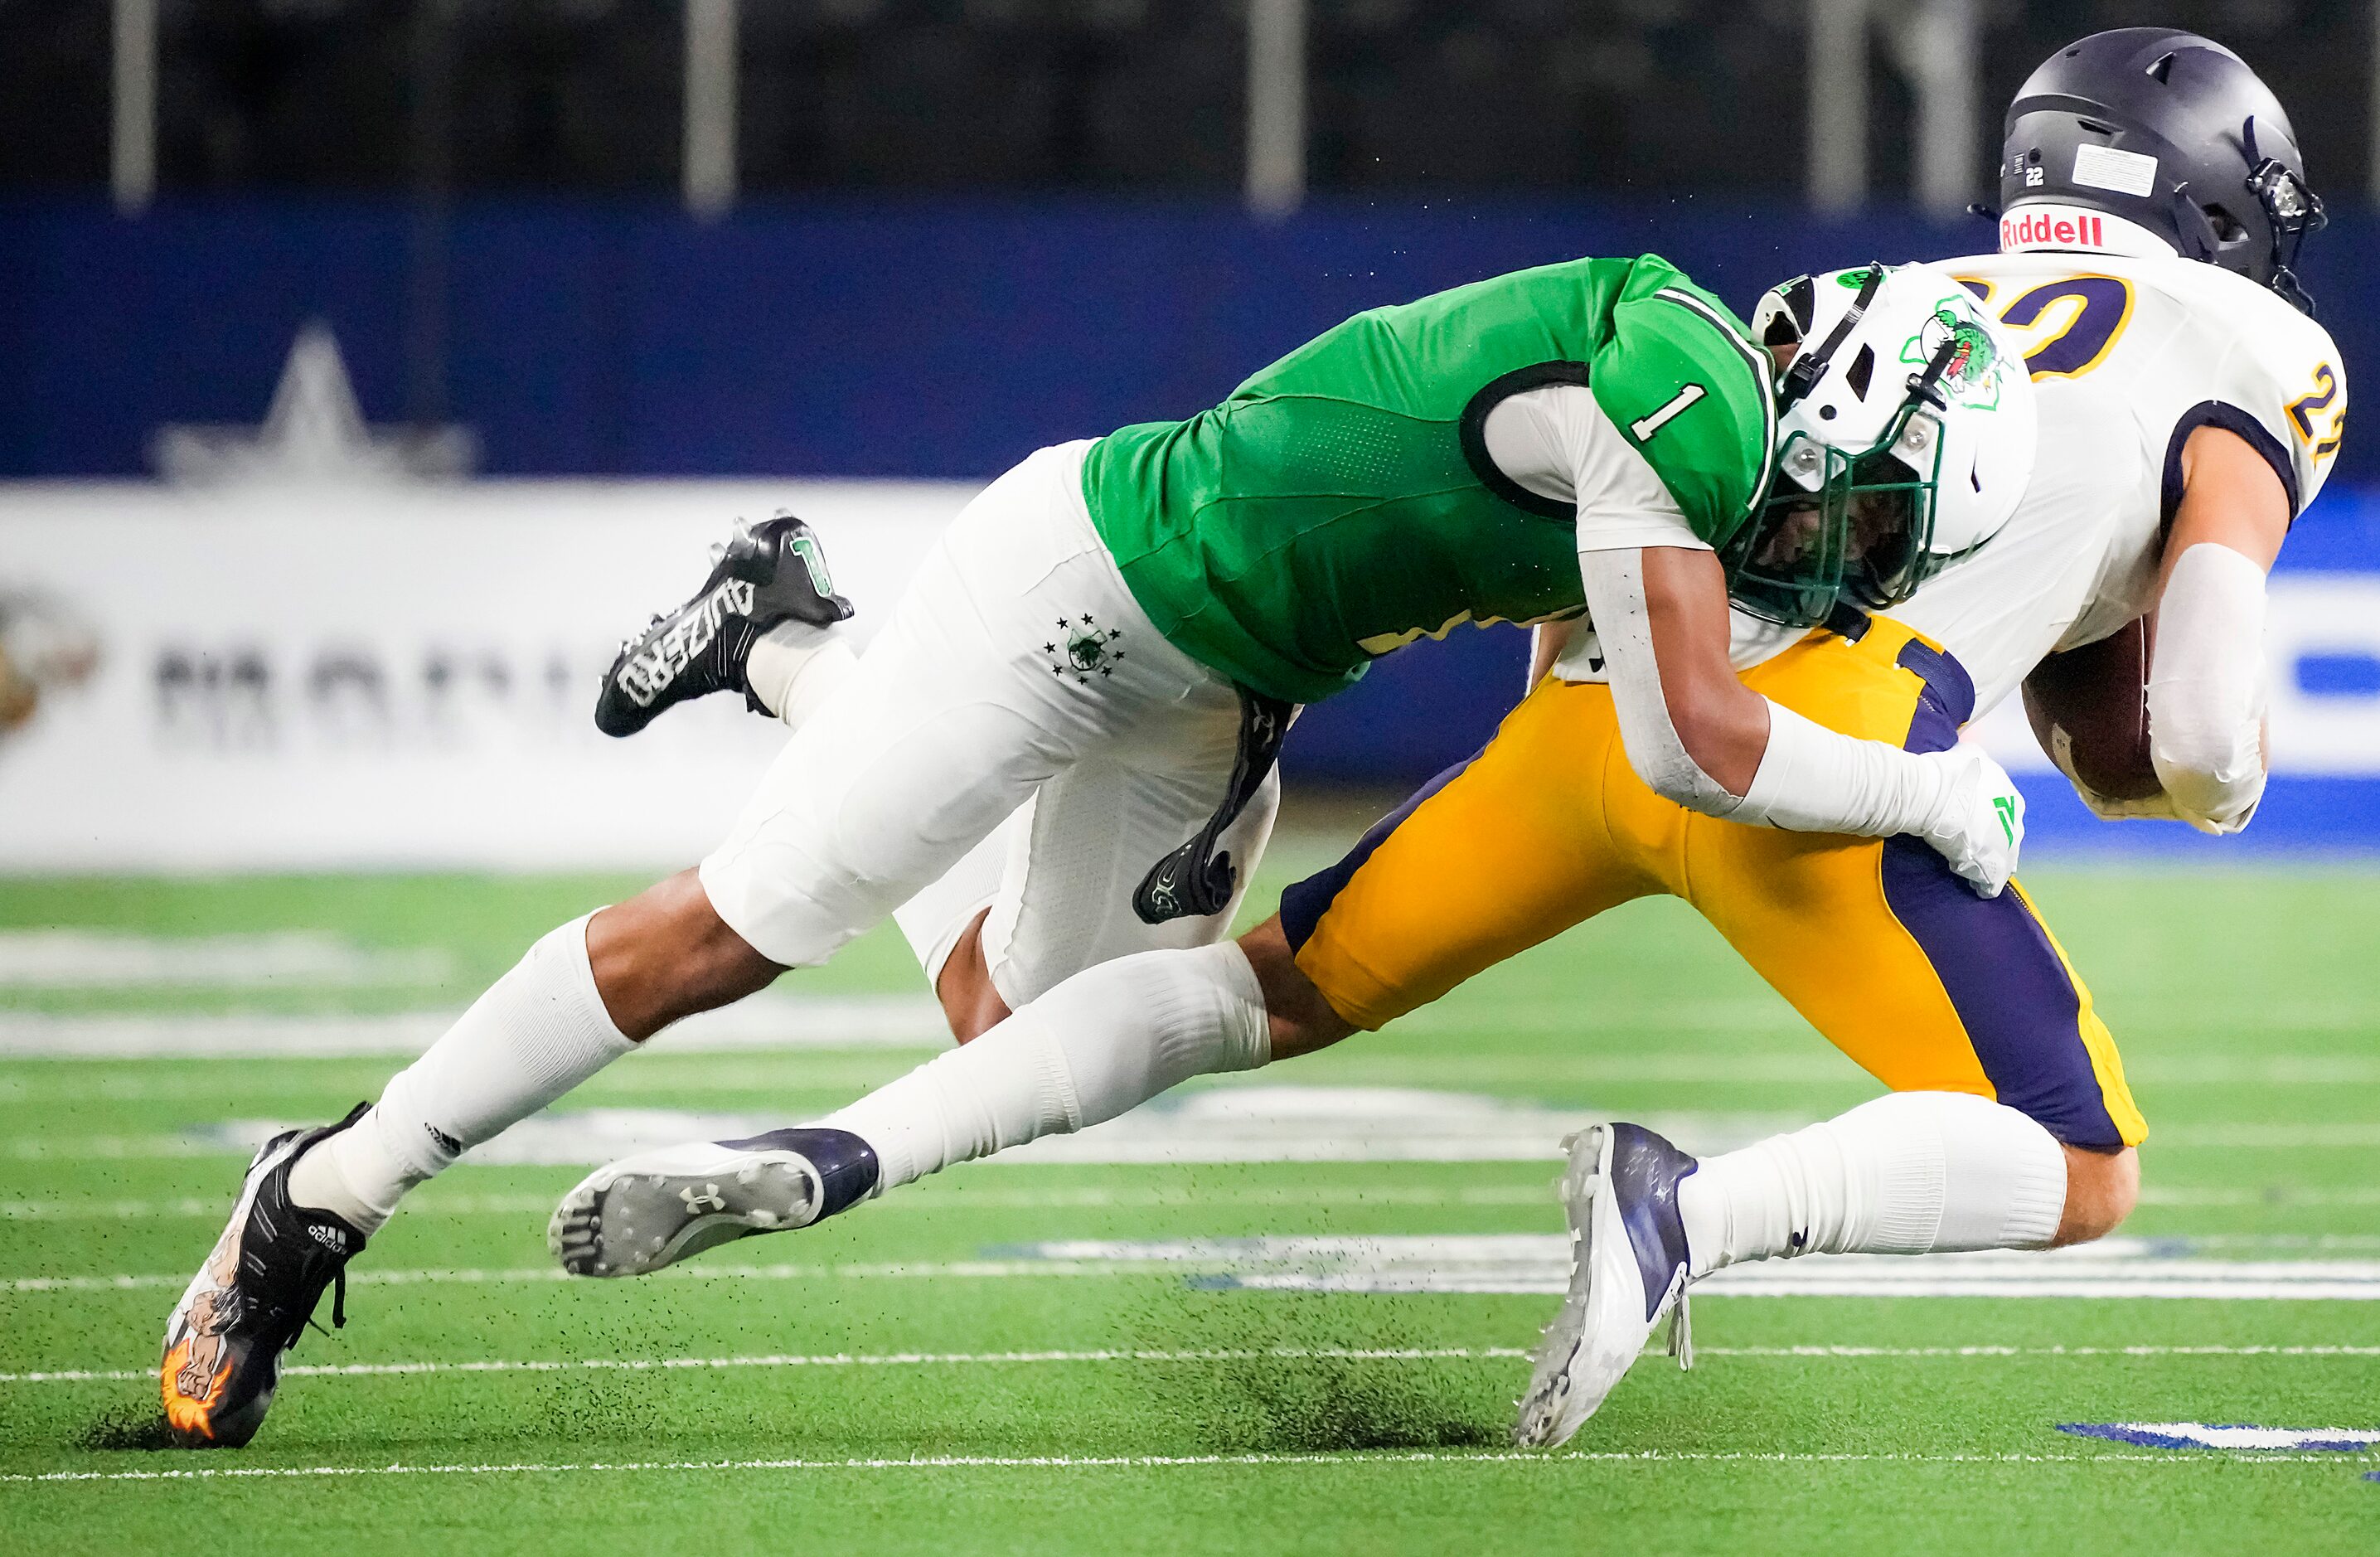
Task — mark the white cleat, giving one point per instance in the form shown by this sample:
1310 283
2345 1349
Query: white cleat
636 1215
1628 1269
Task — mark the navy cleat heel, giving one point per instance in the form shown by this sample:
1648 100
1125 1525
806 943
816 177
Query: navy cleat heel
643 1213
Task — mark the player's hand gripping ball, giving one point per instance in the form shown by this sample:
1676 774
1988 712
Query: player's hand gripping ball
2090 711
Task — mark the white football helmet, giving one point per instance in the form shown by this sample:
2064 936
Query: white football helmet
1905 437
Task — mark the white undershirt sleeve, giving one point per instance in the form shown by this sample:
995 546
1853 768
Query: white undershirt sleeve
2206 688
1557 443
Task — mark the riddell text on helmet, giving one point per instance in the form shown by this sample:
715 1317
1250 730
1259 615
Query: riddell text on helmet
2019 228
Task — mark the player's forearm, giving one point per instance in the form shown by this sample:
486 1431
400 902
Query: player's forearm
1698 736
2207 687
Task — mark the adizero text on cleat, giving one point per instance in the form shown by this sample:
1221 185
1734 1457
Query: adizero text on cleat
653 1210
251 1299
1629 1266
766 574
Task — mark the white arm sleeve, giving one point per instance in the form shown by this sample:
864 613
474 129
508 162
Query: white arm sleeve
2206 688
1809 779
1615 603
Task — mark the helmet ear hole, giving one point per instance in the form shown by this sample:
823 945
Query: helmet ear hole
2228 227
1862 369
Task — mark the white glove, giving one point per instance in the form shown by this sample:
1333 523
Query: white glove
1979 825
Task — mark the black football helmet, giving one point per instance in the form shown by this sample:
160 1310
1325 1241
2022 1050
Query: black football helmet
2205 157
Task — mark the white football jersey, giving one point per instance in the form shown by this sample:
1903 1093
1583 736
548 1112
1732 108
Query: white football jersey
2129 356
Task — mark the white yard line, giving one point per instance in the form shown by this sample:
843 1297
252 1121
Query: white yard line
921 1270
824 1360
435 1203
1209 1124
792 1021
1163 1461
769 1021
939 1360
1205 1125
1506 1263
1089 1196
111 960
1533 1262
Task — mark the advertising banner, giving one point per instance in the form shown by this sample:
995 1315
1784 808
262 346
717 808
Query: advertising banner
401 675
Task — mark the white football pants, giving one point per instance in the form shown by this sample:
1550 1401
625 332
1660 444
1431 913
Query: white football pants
1017 676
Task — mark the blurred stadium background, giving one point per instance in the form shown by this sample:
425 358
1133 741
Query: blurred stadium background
855 256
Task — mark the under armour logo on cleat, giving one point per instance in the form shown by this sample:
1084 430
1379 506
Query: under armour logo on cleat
702 1201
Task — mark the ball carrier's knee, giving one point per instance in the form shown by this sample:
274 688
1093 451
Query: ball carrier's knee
2102 1187
665 953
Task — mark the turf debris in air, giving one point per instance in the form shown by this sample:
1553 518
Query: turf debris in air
127 1427
1269 1394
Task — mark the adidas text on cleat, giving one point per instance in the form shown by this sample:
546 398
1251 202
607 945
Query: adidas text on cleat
1628 1267
251 1299
654 1209
766 574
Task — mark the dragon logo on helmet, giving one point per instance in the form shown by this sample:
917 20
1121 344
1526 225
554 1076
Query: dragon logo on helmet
1971 380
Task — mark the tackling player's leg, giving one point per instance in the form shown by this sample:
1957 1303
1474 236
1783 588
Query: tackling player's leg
951 720
1101 1043
582 997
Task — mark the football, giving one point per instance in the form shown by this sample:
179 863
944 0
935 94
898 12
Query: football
2098 695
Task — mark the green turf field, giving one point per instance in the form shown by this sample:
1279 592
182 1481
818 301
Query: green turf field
918 1377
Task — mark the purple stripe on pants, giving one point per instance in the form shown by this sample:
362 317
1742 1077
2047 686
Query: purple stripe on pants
1994 960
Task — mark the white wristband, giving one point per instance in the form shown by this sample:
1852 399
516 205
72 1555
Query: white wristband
1813 780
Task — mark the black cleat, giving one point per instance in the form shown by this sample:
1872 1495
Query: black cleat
766 574
250 1302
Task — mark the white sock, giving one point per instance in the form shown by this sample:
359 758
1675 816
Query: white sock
1106 1040
795 667
936 918
539 1031
1908 1174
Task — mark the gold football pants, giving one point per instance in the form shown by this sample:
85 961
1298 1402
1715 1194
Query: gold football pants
1876 941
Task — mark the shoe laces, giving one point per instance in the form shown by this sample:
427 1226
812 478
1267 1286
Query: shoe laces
338 1311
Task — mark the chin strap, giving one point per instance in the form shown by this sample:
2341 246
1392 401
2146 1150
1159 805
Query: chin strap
1194 881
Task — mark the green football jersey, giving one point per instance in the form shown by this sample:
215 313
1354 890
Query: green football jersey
1342 501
